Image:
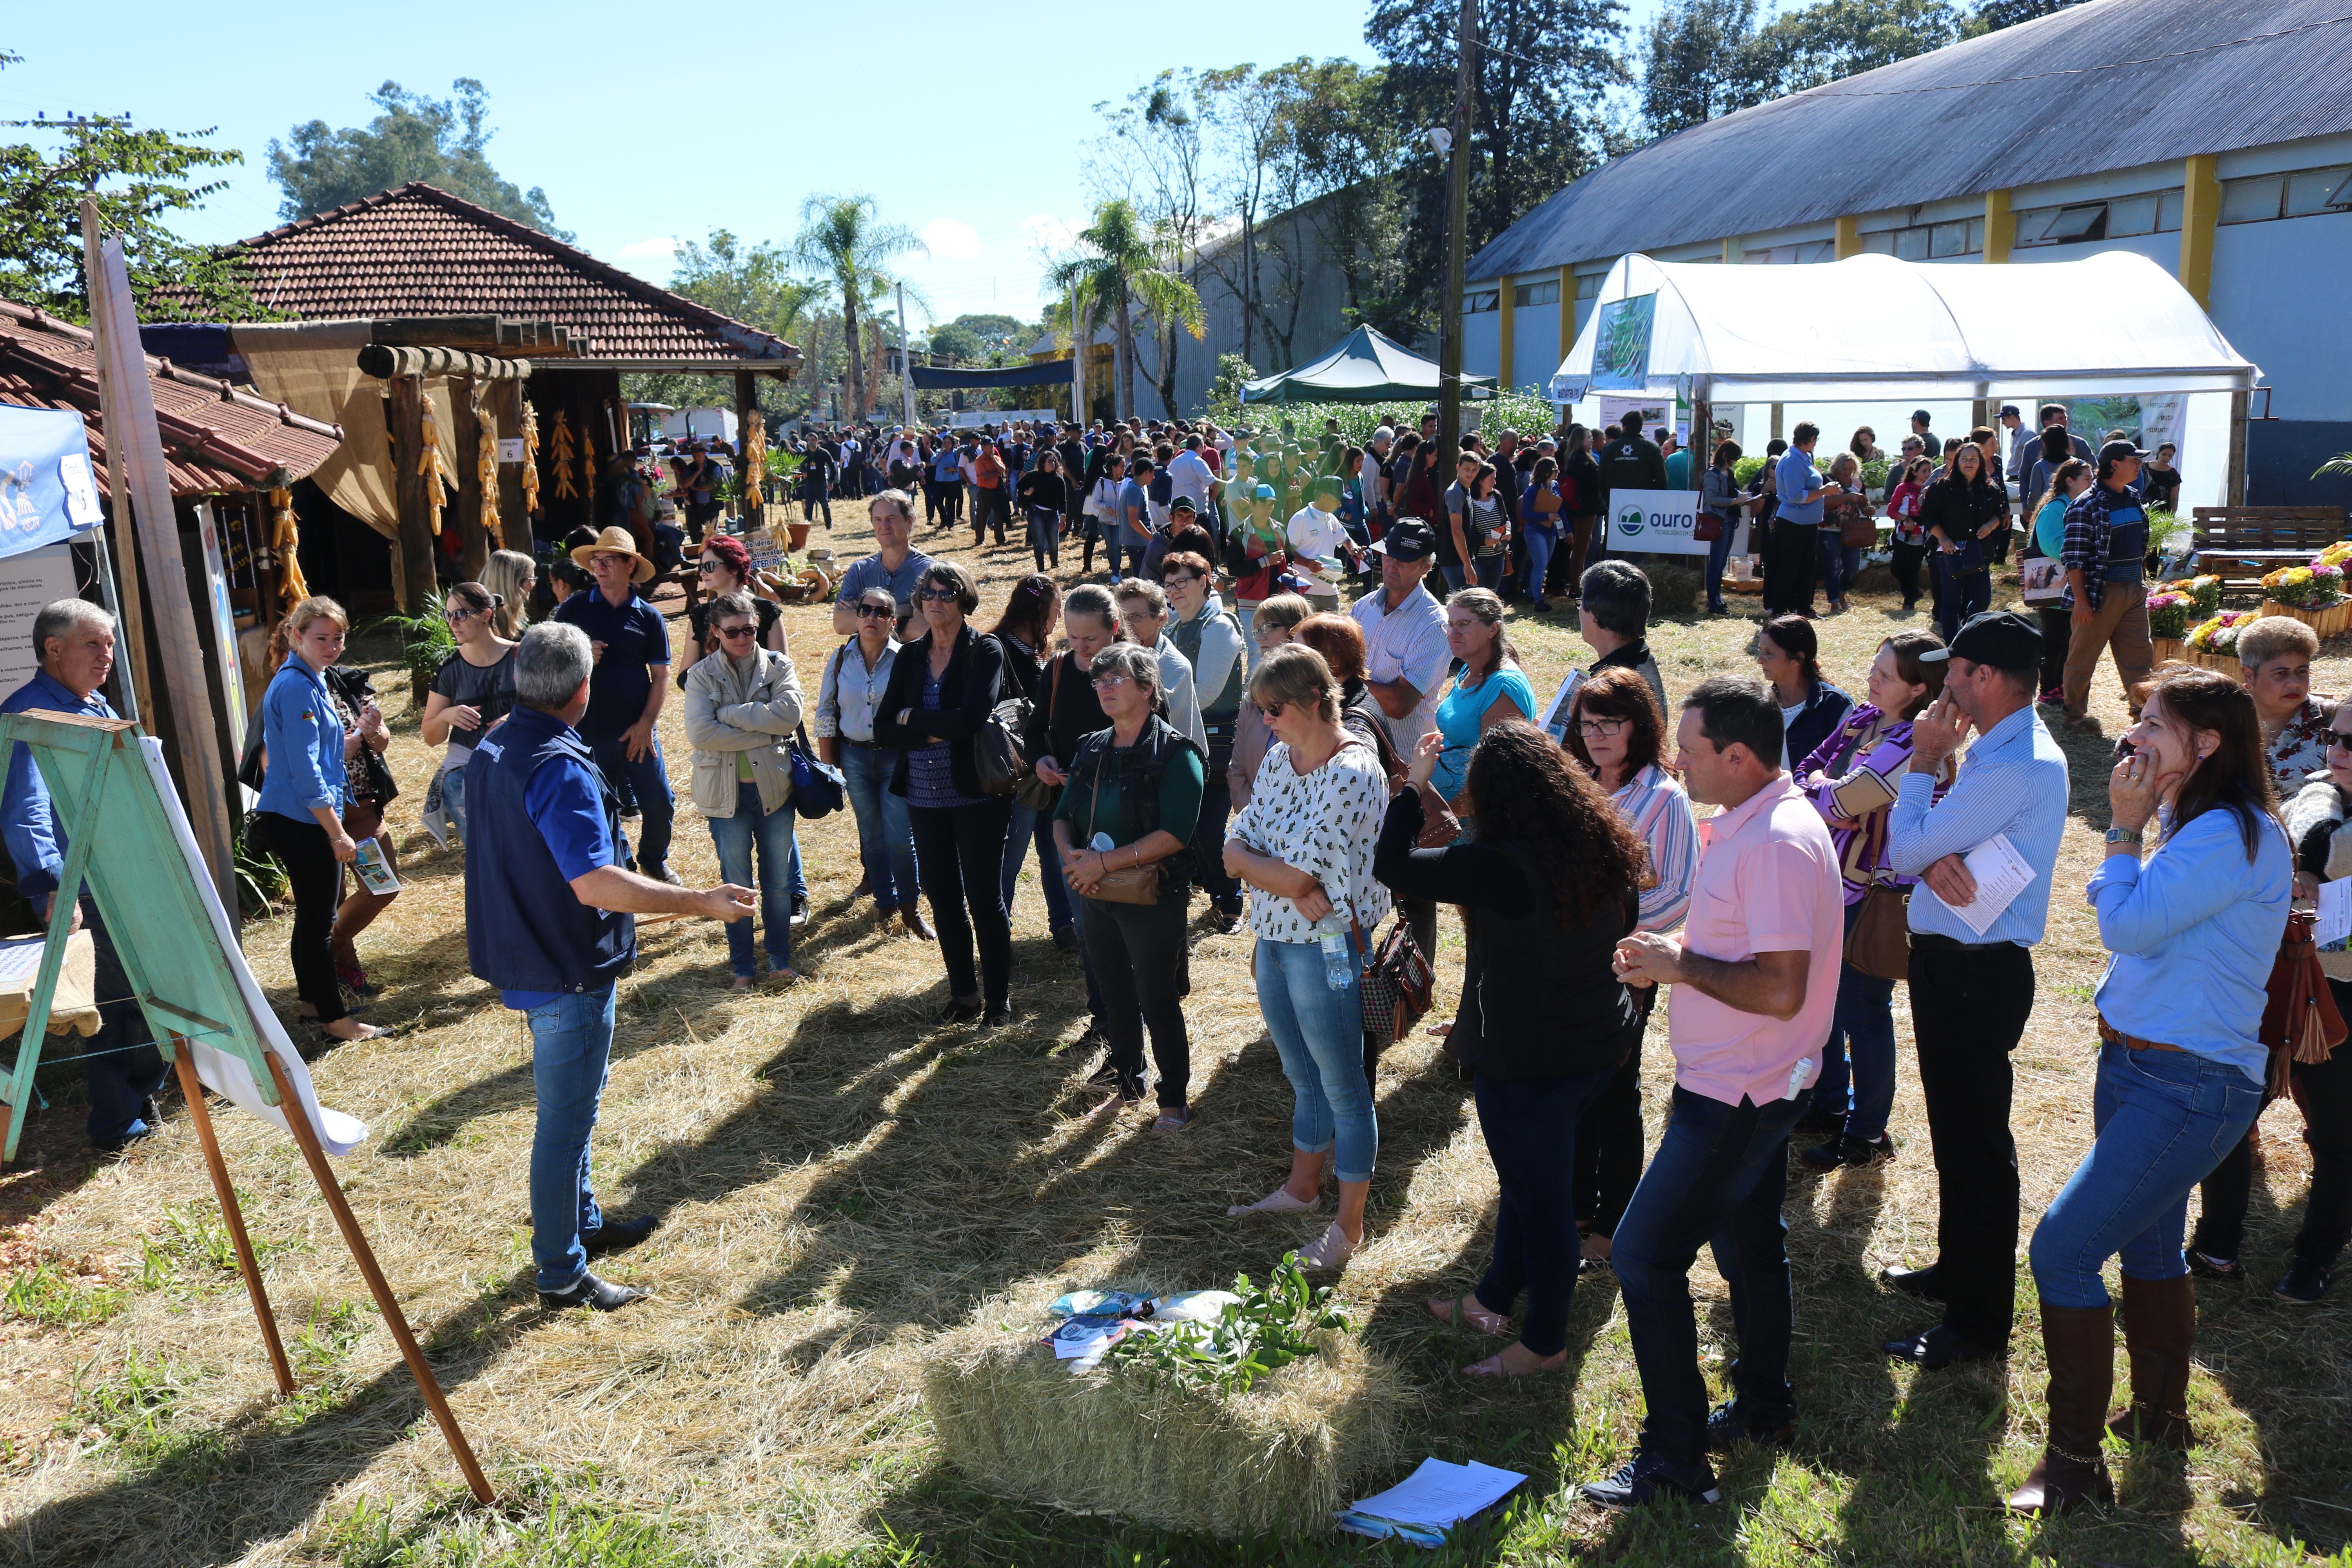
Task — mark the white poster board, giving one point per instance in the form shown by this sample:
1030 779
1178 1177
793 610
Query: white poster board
1661 523
224 615
27 582
1654 412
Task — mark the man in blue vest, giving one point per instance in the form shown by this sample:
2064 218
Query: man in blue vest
548 909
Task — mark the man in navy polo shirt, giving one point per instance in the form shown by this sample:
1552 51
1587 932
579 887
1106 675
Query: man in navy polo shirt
548 922
631 647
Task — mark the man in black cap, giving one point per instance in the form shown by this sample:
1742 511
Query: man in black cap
2106 557
1405 660
1972 964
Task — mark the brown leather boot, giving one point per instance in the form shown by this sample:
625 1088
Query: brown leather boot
2159 1332
2079 1342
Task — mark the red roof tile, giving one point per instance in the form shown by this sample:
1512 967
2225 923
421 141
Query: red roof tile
217 437
419 252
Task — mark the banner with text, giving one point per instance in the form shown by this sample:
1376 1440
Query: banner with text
1655 522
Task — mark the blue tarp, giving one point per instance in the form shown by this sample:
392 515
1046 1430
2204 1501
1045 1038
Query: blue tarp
47 493
1044 373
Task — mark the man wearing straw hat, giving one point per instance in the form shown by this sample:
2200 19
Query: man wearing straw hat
631 643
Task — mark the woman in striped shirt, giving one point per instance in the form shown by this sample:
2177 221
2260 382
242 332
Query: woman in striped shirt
1852 777
1616 731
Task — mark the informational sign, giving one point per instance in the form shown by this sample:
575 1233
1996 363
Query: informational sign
1620 350
1661 523
27 582
1653 411
2162 420
510 451
973 418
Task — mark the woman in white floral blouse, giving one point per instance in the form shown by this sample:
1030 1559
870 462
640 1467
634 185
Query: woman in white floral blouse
1304 844
2274 656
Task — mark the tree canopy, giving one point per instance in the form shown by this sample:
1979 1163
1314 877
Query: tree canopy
444 142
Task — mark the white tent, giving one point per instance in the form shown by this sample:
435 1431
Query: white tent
1872 328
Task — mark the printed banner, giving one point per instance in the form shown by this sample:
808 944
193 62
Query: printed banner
1658 522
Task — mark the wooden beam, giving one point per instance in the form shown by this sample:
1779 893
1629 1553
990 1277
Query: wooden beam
413 580
200 1116
473 537
376 360
503 335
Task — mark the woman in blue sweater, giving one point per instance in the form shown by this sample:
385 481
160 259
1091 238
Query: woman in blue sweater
303 788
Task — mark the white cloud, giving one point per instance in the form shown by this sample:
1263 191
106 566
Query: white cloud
1050 234
952 239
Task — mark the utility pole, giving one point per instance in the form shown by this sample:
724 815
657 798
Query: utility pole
1458 216
906 364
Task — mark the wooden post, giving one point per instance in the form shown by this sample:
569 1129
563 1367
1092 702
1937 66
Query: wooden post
747 418
2233 485
505 419
386 1303
183 1061
412 578
133 622
472 538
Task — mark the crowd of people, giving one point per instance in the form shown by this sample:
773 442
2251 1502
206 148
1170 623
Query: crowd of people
1327 778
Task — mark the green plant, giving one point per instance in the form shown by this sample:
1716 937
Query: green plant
425 640
261 881
1746 469
1265 1330
45 1294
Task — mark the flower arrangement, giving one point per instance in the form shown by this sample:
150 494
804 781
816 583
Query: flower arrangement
2305 587
2336 554
2167 615
2220 634
2206 592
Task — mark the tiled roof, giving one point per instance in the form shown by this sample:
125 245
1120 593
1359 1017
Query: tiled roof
419 252
215 436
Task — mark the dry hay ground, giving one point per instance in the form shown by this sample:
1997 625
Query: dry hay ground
840 1182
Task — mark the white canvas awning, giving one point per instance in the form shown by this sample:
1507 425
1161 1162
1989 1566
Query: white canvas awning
1872 328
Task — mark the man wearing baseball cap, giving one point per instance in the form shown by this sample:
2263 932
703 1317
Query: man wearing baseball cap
1405 660
2105 556
1972 965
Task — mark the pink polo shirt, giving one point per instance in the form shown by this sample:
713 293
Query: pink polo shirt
1767 882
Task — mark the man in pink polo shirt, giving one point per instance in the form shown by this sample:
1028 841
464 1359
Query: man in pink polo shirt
1754 972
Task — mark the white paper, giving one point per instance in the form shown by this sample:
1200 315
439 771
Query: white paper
1440 1494
375 869
2001 874
1555 719
2335 914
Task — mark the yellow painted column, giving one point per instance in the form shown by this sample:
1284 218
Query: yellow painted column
1506 297
2001 227
2200 212
1567 313
1730 251
1849 236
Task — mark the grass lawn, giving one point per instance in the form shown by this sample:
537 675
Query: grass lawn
839 1183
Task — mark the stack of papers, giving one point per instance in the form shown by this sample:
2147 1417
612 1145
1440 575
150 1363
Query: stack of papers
1429 1502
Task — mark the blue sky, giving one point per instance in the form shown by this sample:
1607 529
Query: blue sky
970 127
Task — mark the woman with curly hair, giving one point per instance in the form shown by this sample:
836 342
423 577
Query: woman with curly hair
1551 886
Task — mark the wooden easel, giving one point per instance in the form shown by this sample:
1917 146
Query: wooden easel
140 865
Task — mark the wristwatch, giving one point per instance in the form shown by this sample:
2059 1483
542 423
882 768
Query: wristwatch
2123 835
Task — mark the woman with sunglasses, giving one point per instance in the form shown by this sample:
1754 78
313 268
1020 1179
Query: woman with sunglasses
472 691
741 703
726 568
942 687
849 694
1133 799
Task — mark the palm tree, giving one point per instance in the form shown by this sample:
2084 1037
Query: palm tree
844 239
1122 272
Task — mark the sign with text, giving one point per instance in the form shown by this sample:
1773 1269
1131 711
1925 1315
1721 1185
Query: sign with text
1621 352
1655 522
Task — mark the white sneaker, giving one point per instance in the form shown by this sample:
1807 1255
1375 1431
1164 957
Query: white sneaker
1331 1249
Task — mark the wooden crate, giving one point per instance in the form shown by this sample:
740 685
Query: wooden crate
2169 650
2332 621
2242 544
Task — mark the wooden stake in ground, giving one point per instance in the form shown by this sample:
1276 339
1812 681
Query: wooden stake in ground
385 1301
183 1061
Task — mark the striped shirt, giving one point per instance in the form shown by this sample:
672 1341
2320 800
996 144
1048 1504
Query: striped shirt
2012 781
1653 801
1873 748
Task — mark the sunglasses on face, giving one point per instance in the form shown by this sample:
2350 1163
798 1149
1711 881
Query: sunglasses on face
707 567
941 595
1272 711
877 609
457 617
2340 740
730 632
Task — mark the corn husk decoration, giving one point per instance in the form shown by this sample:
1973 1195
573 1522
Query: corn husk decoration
587 462
435 467
286 542
486 470
530 458
755 467
563 454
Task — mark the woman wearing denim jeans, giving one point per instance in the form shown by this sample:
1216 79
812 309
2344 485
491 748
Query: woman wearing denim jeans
2193 933
740 703
1304 844
1719 490
848 694
1026 630
1852 779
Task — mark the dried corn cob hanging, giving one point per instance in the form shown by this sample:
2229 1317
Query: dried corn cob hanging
587 462
755 468
286 543
431 464
530 458
563 454
485 470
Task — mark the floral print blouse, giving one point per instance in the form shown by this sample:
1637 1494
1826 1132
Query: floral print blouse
1325 822
2300 749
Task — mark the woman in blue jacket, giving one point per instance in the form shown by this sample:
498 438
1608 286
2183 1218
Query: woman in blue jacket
303 789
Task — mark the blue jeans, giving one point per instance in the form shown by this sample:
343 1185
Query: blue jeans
1542 540
651 785
1457 579
1840 564
1863 1028
1031 827
771 832
1530 1125
2162 1120
453 798
1959 595
1487 572
1718 1178
571 1050
886 842
1718 551
1320 1035
121 1061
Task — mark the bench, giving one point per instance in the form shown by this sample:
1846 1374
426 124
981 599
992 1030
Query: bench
2240 544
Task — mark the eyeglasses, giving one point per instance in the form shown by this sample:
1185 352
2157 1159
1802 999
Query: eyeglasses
1109 682
877 609
730 632
1179 579
940 595
606 558
457 617
1603 727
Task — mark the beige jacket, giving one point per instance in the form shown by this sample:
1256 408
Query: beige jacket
746 711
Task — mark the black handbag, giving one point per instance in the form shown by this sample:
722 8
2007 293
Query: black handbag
1396 986
818 788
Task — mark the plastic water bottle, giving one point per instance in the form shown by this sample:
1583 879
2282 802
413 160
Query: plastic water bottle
1339 963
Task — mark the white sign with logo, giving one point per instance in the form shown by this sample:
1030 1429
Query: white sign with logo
1655 523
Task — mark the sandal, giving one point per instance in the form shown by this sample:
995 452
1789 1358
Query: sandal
1464 1308
1493 1366
1174 1120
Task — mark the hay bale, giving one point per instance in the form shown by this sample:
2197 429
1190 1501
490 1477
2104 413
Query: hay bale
1675 584
1277 1460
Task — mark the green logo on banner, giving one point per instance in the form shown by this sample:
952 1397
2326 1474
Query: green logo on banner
1621 357
1630 521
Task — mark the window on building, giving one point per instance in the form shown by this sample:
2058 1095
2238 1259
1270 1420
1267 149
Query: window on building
2318 191
1478 299
2168 212
1923 242
1588 285
2251 201
1536 293
2131 215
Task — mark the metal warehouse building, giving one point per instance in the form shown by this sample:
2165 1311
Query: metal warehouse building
2213 136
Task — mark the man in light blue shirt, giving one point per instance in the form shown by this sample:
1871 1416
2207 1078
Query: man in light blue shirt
1789 564
1971 991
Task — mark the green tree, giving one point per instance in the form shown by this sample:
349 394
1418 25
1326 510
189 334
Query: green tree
957 341
1692 56
1540 97
444 142
1119 269
1837 38
141 179
1994 14
843 239
755 285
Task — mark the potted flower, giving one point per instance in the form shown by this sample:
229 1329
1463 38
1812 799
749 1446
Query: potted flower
2206 592
2312 594
2168 616
2214 643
